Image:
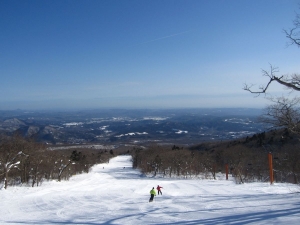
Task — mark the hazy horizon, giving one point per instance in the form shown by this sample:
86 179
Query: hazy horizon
145 111
132 103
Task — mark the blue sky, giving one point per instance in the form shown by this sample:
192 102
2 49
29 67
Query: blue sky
141 54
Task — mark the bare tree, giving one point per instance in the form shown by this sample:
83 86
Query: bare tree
37 167
293 34
283 113
64 162
291 81
11 151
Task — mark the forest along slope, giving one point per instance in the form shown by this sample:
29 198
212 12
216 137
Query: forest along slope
114 193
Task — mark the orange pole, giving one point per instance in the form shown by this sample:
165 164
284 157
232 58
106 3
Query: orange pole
226 168
214 168
271 168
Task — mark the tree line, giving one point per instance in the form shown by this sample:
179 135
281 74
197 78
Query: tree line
246 159
26 162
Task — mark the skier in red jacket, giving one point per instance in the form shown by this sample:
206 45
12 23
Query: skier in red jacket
158 189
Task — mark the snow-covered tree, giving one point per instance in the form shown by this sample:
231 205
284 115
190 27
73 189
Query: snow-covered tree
12 150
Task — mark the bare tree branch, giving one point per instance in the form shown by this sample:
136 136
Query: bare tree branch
294 34
289 81
263 89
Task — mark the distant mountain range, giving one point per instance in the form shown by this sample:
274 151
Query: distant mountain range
121 126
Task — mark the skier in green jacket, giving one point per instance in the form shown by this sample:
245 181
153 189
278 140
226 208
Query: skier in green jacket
152 193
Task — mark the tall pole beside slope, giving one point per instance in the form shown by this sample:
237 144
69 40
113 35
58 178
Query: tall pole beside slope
226 169
271 167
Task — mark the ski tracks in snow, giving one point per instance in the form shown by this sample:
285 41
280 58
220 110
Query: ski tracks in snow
117 194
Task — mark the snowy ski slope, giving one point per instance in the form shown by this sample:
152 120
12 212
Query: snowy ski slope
118 195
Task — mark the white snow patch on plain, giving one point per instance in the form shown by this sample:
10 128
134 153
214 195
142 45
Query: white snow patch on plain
155 118
181 132
131 134
73 124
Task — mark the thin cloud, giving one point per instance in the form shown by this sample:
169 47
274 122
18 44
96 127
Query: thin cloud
165 37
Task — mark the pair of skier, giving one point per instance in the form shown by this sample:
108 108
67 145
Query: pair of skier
153 192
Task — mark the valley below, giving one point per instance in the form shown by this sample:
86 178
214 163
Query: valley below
113 128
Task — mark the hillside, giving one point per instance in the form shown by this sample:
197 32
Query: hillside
115 193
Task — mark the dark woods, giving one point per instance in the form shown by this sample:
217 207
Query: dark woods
247 159
29 163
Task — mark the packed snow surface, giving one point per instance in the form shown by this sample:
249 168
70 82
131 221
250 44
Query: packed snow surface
114 193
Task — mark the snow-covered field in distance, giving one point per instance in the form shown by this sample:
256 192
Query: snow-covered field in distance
112 194
118 127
